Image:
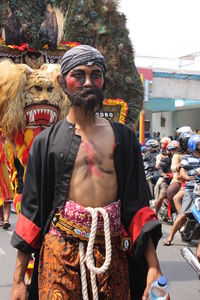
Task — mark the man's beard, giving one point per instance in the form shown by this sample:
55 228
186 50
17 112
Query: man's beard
90 99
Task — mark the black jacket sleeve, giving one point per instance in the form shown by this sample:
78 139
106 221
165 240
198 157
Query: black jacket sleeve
26 236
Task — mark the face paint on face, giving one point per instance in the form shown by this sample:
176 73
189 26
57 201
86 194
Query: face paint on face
84 76
73 83
97 81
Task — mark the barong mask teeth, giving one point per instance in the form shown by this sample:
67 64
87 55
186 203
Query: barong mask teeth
82 55
40 115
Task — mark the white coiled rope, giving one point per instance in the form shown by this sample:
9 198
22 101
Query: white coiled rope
88 258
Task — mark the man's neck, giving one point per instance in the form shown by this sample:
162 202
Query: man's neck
81 120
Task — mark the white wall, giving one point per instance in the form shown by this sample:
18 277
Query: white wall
175 88
189 117
156 123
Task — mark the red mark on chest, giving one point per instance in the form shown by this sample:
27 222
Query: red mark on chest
92 168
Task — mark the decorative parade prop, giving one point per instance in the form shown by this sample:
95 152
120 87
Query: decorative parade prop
36 32
114 109
30 101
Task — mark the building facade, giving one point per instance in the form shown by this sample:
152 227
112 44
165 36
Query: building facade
172 99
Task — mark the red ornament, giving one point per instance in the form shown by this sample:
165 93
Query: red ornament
25 154
19 138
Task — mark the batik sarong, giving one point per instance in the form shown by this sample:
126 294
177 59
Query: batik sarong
59 266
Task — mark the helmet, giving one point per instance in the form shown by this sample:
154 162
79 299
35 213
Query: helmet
173 145
183 140
144 148
193 141
165 140
186 129
153 143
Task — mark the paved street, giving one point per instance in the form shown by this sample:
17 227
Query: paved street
7 260
183 281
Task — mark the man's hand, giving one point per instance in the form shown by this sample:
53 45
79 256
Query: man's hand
19 291
153 275
154 271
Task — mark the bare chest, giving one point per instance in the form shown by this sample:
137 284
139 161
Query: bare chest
93 182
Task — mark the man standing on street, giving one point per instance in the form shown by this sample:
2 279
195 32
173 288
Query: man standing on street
85 183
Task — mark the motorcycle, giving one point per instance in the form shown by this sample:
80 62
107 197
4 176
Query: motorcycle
152 176
186 252
191 229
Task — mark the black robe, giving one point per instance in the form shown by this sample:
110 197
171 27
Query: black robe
50 165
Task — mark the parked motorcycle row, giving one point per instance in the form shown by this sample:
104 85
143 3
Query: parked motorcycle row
172 169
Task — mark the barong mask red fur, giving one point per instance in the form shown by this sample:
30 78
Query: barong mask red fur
29 98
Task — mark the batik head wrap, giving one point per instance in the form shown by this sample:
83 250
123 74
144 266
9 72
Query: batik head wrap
82 55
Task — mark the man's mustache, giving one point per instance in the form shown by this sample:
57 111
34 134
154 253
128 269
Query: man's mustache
84 91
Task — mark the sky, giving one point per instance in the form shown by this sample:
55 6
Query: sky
163 28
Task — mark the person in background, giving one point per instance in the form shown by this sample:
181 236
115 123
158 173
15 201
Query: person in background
165 173
144 150
176 134
151 155
158 135
190 162
182 129
175 184
182 152
6 192
157 166
154 136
